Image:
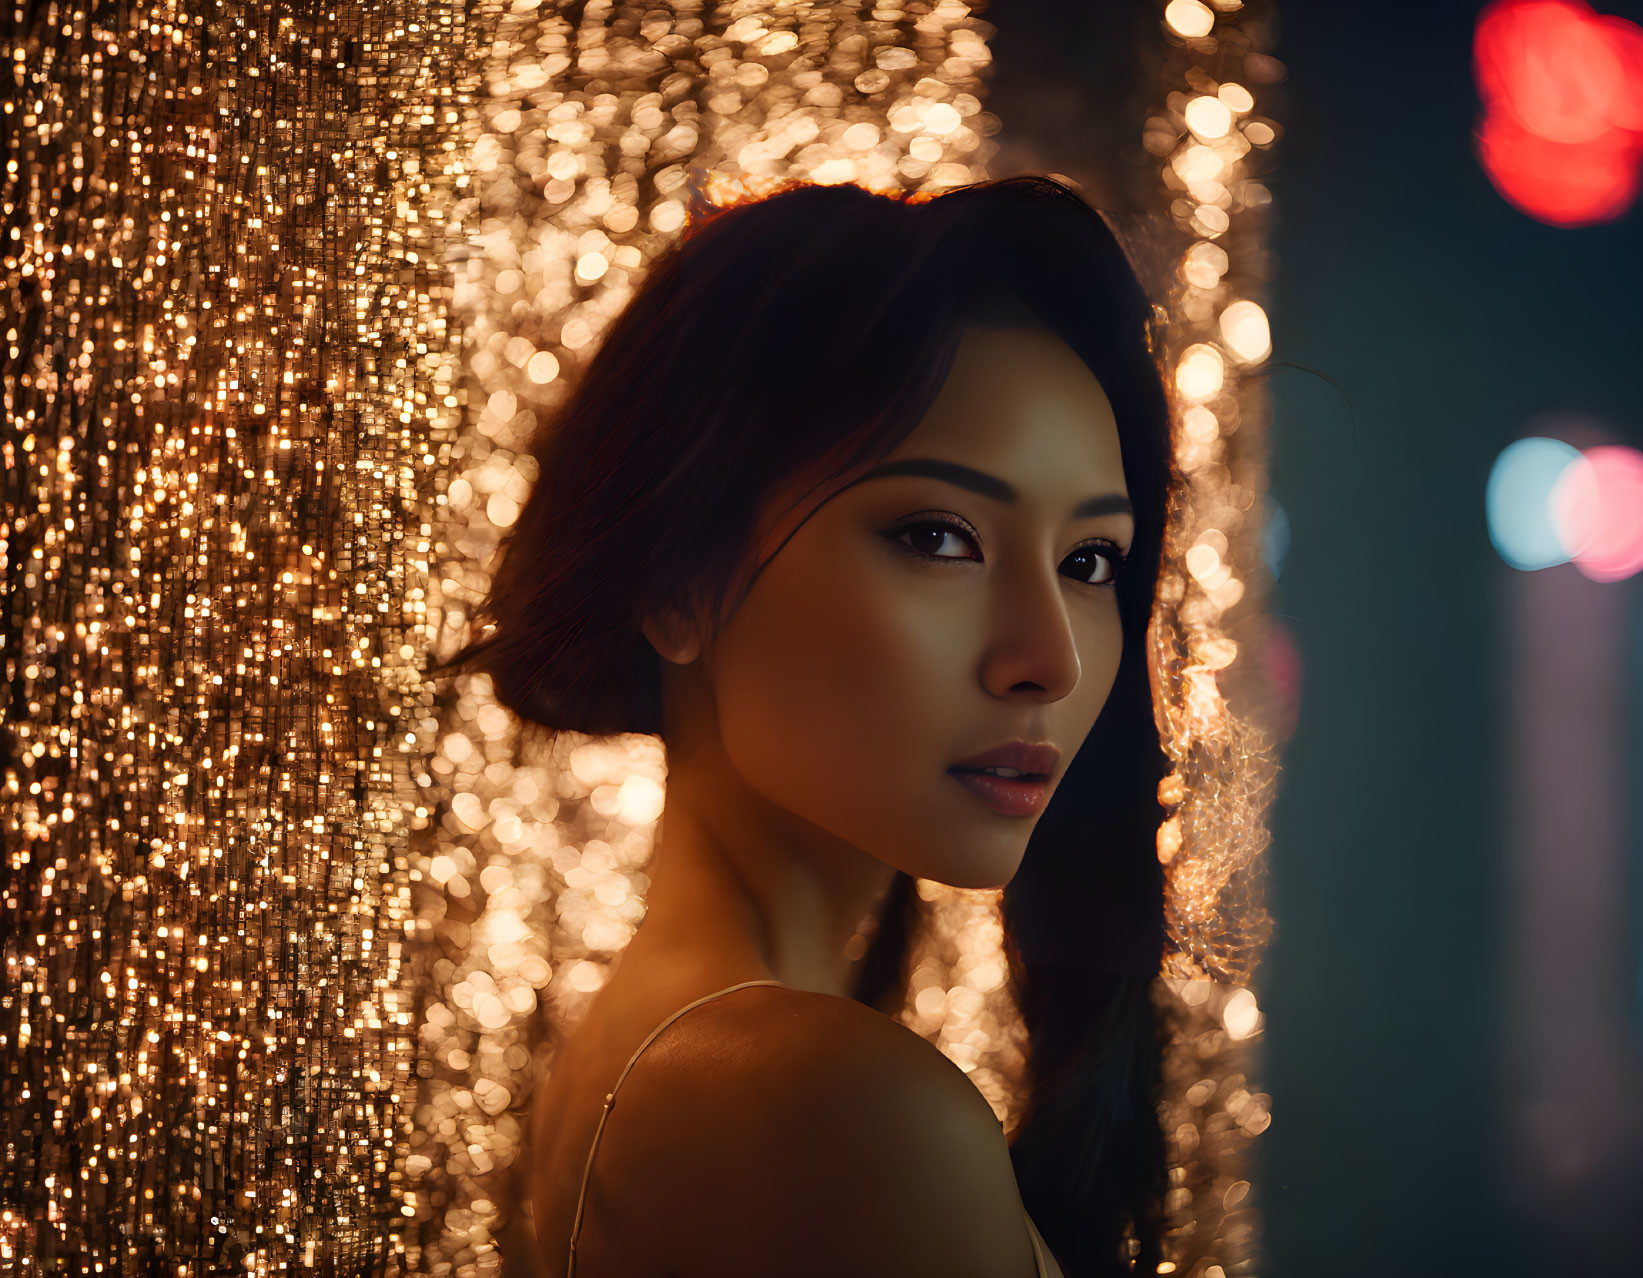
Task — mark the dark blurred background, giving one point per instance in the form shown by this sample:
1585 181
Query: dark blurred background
1454 1043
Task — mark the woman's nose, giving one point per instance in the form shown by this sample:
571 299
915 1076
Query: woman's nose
1032 649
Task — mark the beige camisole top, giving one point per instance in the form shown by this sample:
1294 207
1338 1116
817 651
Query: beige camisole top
610 1100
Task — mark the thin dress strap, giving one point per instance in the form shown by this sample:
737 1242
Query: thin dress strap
1039 1267
610 1100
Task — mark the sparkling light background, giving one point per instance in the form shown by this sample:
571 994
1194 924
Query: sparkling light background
1210 137
289 931
217 424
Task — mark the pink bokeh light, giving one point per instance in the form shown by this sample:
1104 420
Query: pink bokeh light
1597 509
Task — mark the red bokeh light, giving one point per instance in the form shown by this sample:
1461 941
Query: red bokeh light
1563 183
1562 132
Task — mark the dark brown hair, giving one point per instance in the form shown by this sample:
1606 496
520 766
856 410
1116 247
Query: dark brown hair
812 329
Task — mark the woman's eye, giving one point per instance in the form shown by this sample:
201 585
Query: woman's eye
1107 559
1096 563
928 538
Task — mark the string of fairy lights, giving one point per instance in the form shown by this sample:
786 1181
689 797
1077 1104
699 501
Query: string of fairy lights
290 931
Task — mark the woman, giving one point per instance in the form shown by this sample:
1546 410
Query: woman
859 498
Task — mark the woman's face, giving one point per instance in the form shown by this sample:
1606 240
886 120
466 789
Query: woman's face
916 620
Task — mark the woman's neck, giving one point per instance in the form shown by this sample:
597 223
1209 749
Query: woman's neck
740 882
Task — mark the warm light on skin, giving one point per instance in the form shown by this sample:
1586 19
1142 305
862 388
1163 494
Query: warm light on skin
819 726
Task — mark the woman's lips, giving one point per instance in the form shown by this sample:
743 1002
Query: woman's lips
1016 797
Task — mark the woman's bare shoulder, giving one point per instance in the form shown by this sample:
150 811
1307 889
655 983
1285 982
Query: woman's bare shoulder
801 1133
781 1047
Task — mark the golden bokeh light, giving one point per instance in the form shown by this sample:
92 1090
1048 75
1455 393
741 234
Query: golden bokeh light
1204 264
1203 629
1245 331
1199 373
224 321
1189 18
1208 117
1239 100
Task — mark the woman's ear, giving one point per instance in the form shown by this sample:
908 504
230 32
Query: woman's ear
673 636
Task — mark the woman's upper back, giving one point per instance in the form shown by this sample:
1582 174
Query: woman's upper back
770 1130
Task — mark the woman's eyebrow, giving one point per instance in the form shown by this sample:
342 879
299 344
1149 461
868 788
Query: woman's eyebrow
991 486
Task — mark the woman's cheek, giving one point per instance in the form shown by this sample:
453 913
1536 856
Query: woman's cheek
788 679
829 694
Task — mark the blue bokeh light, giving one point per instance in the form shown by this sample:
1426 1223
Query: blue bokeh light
1518 502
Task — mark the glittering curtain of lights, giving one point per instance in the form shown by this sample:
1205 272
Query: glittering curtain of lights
1210 137
219 302
289 931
